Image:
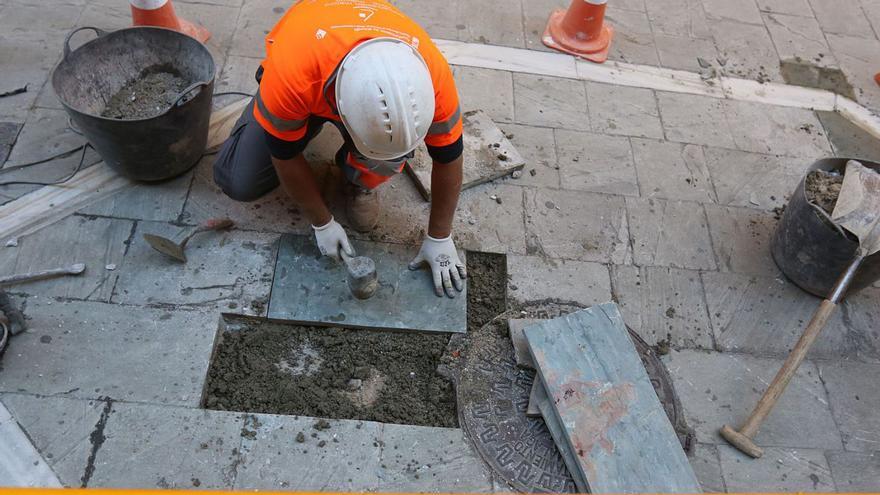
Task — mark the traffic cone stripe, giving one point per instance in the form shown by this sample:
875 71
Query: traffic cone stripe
148 4
161 13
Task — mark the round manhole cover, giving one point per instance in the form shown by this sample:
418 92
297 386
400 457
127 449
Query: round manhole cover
493 395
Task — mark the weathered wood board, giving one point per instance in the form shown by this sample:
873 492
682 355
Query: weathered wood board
603 399
520 346
488 155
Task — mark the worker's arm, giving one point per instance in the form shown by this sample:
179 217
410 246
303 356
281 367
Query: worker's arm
299 182
445 189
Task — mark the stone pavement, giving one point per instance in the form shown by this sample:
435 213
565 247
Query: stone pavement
660 201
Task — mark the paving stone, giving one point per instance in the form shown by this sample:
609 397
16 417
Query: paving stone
707 467
723 388
496 228
550 101
439 19
577 225
679 52
60 429
45 134
847 139
535 16
791 7
174 447
855 472
255 19
749 51
162 202
779 470
797 37
852 393
669 233
751 179
694 119
8 134
733 10
238 75
520 346
672 171
533 278
28 59
741 239
776 130
419 459
857 58
232 268
872 11
90 350
596 163
220 20
633 41
538 146
842 18
663 304
624 110
487 90
273 460
679 17
494 23
94 242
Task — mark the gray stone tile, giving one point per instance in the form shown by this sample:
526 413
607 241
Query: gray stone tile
238 75
741 239
855 472
669 233
790 7
532 278
60 429
679 17
748 49
535 16
723 388
94 242
680 52
776 130
663 304
231 269
162 202
482 224
842 18
45 134
493 23
624 110
752 179
672 171
779 470
872 11
550 101
439 19
219 19
28 59
596 163
854 402
633 41
256 18
797 37
419 459
847 139
707 467
90 350
694 119
24 18
538 146
733 10
486 89
348 460
857 58
174 447
577 225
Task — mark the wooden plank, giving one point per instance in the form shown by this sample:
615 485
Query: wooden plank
520 346
488 155
601 395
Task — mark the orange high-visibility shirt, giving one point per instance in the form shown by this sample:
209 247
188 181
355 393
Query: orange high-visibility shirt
307 45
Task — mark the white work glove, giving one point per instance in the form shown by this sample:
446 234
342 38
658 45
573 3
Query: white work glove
446 267
331 238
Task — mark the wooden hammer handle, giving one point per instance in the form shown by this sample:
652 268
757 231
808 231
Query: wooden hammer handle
789 368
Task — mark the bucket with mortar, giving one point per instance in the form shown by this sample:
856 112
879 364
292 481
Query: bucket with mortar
810 249
149 149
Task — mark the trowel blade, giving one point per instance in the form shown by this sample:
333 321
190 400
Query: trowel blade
858 206
166 246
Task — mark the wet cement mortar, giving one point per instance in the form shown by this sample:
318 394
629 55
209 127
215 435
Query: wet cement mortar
341 373
801 72
154 90
823 188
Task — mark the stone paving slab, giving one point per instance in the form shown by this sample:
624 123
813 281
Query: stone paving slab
596 163
852 393
792 7
741 239
847 139
855 472
748 49
254 21
538 147
482 223
842 18
776 130
797 37
550 101
634 40
672 171
681 52
857 58
736 10
533 278
624 110
485 89
669 233
20 463
717 389
779 470
91 350
753 180
161 202
238 75
707 467
694 119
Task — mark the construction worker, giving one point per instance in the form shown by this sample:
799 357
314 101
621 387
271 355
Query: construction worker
376 75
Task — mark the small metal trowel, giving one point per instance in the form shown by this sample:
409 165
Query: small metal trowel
177 250
74 269
362 278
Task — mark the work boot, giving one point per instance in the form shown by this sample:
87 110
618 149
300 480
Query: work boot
361 208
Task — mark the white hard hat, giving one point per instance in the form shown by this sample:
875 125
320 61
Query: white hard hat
385 97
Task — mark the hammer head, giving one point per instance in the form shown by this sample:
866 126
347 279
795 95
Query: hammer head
362 278
741 442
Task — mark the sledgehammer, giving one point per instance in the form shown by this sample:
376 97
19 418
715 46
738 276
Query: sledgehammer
362 278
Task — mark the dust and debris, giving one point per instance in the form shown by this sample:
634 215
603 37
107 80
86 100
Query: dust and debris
155 89
823 188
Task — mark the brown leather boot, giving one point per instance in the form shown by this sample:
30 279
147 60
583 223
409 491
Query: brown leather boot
361 208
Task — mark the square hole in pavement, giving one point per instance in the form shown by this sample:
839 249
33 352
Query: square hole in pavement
347 373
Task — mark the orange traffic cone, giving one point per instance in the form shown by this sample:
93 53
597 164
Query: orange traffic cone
161 13
580 30
877 78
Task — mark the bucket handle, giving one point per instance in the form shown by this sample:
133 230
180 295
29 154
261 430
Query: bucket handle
98 32
188 90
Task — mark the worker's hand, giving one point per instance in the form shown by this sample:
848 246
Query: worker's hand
446 267
331 239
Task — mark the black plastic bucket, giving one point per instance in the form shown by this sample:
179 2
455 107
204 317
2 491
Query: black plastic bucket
811 250
149 149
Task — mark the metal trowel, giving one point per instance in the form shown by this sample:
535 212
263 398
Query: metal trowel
178 250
